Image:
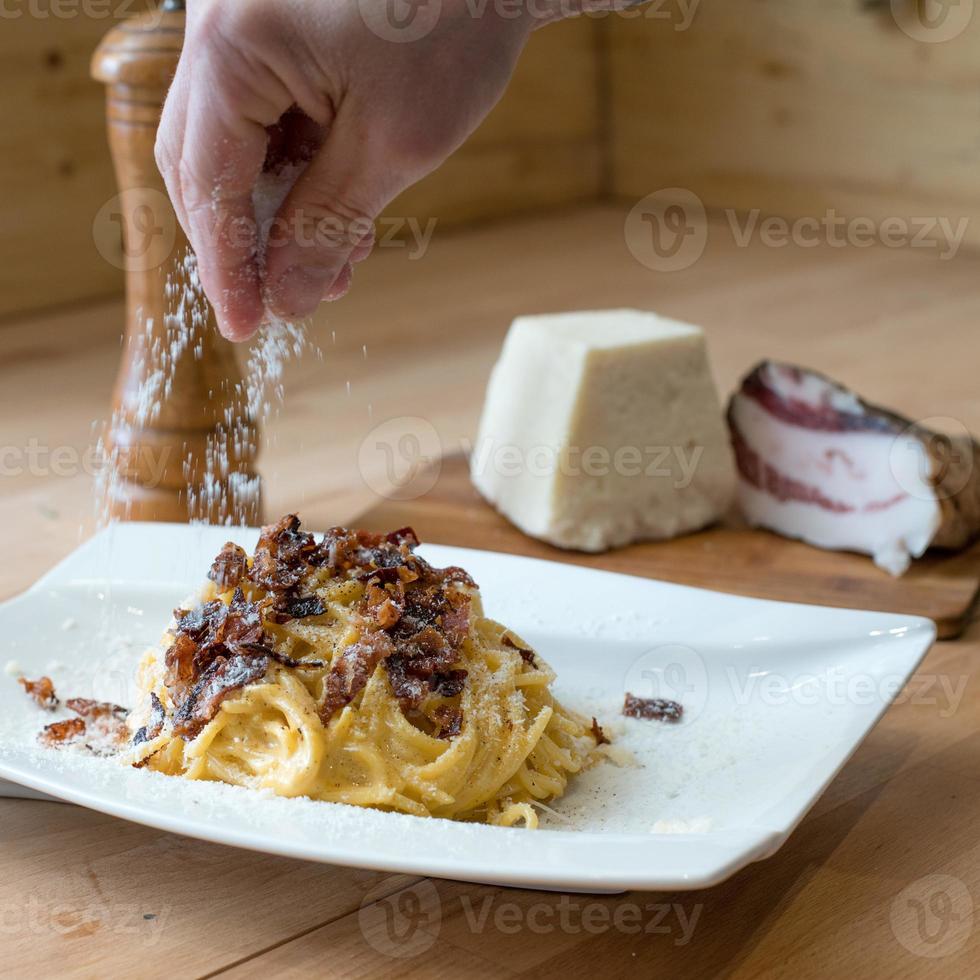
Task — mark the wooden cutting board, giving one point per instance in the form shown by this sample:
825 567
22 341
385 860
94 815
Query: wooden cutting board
728 558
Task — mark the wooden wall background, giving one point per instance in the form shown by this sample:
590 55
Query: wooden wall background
540 147
795 107
54 164
783 105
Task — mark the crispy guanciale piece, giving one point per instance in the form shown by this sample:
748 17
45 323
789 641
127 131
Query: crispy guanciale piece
213 623
62 732
282 555
404 537
260 649
426 653
219 649
87 708
179 663
455 620
364 553
598 734
288 607
435 602
410 690
425 613
105 724
223 677
458 576
431 611
42 691
450 721
448 684
652 709
415 618
527 654
243 623
384 604
230 567
210 631
155 724
416 661
100 723
352 671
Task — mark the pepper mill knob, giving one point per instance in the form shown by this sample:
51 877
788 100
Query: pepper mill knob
182 443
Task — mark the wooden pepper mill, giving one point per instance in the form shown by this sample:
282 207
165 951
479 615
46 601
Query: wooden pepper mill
181 445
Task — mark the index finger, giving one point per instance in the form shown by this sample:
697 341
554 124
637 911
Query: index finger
221 159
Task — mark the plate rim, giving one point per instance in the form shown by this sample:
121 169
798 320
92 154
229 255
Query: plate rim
742 847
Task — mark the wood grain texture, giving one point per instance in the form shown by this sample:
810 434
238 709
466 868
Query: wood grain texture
795 108
158 455
730 558
903 809
55 171
93 884
883 321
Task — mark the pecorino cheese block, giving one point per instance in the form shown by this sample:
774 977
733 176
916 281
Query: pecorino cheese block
602 428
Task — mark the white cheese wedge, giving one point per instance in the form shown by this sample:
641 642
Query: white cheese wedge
602 428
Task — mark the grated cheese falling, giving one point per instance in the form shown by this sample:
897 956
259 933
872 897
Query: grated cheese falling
225 493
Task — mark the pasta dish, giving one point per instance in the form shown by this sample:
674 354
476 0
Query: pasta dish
350 670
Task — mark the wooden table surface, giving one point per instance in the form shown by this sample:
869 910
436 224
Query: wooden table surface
879 880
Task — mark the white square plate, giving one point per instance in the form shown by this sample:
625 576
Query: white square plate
776 699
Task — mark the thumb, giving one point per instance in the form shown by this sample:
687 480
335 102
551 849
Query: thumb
329 212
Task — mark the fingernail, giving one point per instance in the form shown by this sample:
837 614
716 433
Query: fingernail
300 290
341 285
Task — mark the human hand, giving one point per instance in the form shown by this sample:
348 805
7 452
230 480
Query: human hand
261 84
